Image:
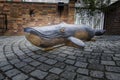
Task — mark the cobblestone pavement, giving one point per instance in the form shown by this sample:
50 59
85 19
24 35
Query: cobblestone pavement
100 60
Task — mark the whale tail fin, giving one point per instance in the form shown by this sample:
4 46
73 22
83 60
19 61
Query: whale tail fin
99 32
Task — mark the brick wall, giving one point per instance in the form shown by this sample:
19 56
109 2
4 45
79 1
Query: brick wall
18 15
112 19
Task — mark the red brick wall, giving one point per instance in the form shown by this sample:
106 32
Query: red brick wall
44 14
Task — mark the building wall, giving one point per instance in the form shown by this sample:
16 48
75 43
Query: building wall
18 15
112 19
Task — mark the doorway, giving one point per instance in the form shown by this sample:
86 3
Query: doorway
3 23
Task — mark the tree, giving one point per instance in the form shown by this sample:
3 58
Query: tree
93 5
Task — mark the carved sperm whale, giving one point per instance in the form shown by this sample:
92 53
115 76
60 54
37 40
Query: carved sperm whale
69 34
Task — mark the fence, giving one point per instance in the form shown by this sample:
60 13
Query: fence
94 19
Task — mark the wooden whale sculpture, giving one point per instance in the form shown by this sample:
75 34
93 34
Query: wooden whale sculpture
48 37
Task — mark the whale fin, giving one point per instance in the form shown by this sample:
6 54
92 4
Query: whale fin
77 41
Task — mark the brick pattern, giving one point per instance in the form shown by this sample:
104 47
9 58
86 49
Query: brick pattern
18 15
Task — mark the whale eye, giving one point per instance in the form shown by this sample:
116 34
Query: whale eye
62 30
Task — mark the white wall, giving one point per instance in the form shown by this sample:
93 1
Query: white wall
112 1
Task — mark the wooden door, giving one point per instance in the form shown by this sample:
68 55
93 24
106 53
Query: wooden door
3 25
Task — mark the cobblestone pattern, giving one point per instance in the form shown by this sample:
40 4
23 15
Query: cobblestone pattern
100 60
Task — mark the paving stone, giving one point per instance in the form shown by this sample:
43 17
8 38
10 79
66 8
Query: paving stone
1 76
71 57
96 79
27 60
81 64
97 74
97 50
46 54
68 52
106 58
35 56
26 51
20 77
108 51
12 57
110 55
39 74
60 65
20 64
38 52
93 61
81 59
116 58
35 63
63 79
6 68
63 55
59 58
117 55
79 54
70 49
92 56
88 56
31 54
98 53
82 77
52 77
88 50
112 68
108 62
3 63
27 69
118 63
23 57
56 70
68 75
96 67
13 61
12 72
70 68
68 61
56 52
9 54
31 79
42 59
50 61
112 76
51 56
44 67
8 48
82 71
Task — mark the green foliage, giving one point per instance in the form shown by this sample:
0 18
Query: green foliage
96 5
